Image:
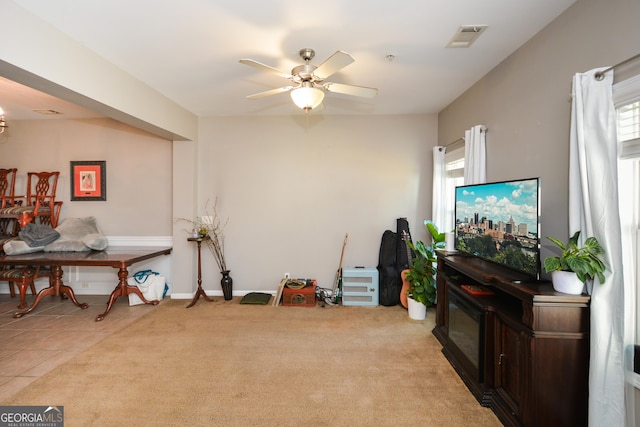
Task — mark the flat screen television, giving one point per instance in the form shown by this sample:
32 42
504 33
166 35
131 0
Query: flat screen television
500 222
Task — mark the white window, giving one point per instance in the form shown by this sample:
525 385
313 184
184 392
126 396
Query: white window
627 103
629 129
454 165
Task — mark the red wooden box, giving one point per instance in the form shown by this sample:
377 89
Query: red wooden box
305 297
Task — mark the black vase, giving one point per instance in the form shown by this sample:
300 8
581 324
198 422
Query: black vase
227 285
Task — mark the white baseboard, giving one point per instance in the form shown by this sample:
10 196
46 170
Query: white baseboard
120 241
105 288
218 294
82 287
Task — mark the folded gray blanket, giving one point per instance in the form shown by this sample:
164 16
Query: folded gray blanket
38 234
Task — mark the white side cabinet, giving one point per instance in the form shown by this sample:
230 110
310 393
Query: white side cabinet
360 286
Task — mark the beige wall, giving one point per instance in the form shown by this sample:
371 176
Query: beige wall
525 101
138 170
292 187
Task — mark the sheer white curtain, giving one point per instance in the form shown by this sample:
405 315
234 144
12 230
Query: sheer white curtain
594 209
439 197
475 157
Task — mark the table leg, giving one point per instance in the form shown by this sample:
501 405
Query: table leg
123 290
200 292
56 287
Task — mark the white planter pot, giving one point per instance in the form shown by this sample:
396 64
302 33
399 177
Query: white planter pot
417 310
567 282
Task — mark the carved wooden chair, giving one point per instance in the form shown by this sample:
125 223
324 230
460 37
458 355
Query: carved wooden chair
7 199
18 211
24 277
40 201
7 185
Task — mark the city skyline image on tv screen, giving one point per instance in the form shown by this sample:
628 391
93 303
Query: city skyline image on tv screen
500 222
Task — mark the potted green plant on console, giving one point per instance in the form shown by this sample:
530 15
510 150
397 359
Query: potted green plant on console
575 265
421 278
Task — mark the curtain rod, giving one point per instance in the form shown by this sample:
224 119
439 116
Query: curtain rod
444 147
454 142
600 74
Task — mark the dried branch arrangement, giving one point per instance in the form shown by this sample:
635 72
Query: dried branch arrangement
211 227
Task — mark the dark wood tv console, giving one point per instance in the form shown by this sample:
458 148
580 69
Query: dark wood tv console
532 366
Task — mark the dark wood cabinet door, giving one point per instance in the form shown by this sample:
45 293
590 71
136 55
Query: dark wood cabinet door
509 366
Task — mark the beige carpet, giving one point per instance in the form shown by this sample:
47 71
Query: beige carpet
229 364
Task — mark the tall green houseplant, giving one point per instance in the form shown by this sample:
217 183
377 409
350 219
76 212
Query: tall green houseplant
437 237
421 275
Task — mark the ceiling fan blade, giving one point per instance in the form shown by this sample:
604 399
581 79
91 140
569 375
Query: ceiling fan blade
263 67
334 63
270 92
365 92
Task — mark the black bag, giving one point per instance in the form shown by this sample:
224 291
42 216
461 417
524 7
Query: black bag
389 275
402 252
394 257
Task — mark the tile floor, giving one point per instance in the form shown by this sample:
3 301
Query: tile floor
53 333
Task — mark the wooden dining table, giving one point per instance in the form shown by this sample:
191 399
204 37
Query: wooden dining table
120 258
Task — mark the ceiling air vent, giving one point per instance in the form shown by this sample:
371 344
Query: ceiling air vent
47 112
466 35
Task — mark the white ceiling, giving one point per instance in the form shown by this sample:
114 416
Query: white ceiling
189 50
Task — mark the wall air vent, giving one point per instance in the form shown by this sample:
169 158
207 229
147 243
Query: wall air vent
47 112
466 35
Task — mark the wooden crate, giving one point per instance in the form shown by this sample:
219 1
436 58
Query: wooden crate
305 297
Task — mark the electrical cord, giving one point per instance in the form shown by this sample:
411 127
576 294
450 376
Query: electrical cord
325 296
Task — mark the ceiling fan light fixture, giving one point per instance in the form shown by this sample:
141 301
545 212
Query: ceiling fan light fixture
309 81
307 97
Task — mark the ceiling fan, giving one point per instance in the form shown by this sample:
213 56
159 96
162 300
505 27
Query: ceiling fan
308 81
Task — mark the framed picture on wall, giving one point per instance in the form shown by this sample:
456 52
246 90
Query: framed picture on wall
89 180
